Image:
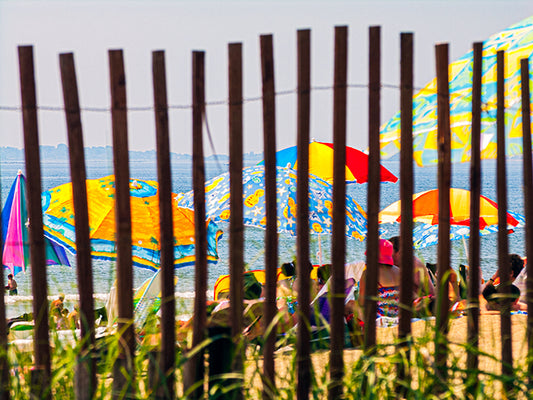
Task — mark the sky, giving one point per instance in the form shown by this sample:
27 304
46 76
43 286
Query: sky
88 29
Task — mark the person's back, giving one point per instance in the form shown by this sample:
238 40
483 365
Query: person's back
422 284
388 290
388 283
389 275
495 297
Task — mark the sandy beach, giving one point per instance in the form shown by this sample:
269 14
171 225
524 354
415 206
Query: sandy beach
489 343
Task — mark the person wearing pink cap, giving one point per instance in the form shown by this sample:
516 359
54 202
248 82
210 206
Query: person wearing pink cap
388 283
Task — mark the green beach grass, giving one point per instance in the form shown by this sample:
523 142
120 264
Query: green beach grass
365 377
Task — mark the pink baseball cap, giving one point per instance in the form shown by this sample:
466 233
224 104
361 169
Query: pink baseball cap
385 252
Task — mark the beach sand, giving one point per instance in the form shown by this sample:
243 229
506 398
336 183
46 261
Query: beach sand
489 344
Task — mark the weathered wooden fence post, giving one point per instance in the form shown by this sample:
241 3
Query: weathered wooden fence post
373 195
85 383
528 206
302 217
194 370
406 198
503 246
164 382
338 240
474 276
123 371
40 377
444 180
271 235
236 229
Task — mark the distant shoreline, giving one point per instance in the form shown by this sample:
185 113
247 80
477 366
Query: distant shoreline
59 154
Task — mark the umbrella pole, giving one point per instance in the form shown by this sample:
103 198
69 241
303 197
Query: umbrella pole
466 249
319 250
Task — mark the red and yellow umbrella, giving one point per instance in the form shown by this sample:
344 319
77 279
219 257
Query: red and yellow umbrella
321 163
426 209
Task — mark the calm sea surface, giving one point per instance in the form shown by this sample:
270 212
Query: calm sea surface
63 279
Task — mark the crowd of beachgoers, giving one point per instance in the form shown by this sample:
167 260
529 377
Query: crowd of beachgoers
491 298
492 295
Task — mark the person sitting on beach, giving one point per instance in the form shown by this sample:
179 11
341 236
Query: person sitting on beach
56 307
11 285
521 282
492 286
74 318
388 285
286 287
352 275
422 284
495 298
61 320
218 313
323 273
516 264
253 309
289 271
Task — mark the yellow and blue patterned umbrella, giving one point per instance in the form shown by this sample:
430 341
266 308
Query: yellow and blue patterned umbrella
58 218
517 41
320 202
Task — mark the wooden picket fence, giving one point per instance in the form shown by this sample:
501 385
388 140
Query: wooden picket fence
86 377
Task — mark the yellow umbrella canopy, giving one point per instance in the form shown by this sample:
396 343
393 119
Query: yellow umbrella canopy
58 219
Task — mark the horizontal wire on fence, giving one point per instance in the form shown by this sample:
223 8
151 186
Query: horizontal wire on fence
485 105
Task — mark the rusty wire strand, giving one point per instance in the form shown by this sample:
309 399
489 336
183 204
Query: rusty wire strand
485 105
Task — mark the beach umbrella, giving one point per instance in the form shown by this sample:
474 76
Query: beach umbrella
217 192
321 163
15 223
425 235
517 41
426 209
58 218
426 212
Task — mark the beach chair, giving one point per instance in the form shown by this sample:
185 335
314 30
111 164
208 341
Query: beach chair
21 330
432 269
454 284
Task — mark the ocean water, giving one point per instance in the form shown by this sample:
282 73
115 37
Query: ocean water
64 280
